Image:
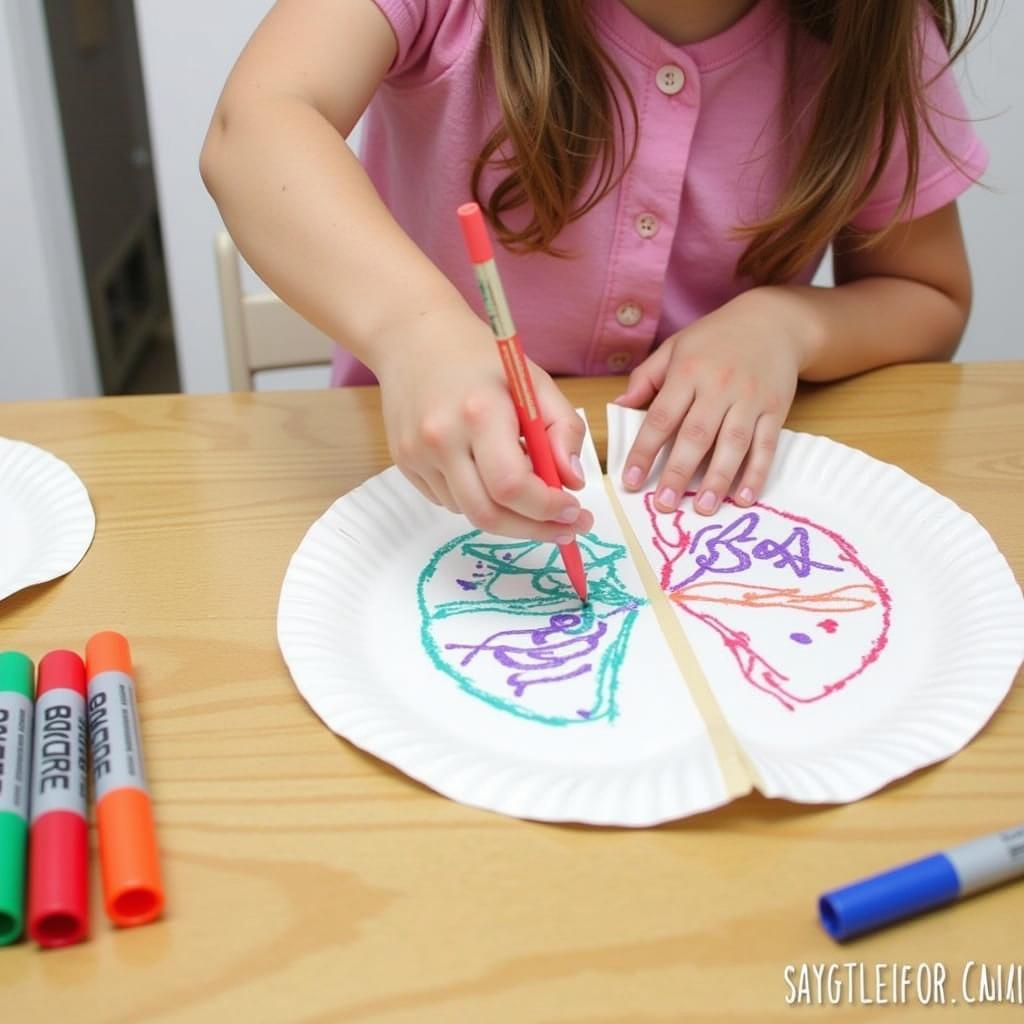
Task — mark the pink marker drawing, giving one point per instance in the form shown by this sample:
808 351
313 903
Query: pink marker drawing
791 600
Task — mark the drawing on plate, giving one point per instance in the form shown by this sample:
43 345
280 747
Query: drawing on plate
501 618
790 599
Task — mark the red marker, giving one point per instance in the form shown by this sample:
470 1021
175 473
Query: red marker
517 373
129 862
58 873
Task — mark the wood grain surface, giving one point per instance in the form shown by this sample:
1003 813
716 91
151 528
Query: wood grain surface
309 882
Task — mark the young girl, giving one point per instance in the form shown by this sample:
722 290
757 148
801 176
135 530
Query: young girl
663 176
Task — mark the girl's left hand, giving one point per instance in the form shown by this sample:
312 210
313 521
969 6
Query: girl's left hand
725 383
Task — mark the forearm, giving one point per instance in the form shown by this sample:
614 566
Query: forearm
307 218
867 323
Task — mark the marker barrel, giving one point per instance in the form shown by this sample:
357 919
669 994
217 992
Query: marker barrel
16 691
129 861
58 891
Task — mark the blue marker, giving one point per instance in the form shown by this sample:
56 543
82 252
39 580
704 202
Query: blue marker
923 884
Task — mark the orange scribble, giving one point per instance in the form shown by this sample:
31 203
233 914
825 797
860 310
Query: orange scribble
839 600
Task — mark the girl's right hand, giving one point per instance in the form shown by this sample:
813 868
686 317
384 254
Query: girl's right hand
453 432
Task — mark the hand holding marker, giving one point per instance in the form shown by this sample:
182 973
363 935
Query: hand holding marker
16 672
517 373
130 866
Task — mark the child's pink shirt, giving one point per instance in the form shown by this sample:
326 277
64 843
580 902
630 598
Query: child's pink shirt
659 251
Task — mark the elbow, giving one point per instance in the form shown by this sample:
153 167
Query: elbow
211 156
960 301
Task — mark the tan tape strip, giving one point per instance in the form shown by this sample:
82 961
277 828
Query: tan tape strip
737 772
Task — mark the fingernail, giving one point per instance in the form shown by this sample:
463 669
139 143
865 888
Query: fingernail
668 498
568 515
706 502
634 476
746 496
576 466
615 401
564 538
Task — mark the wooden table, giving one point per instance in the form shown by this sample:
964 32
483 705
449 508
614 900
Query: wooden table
307 881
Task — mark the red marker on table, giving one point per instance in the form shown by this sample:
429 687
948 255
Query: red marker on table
58 873
517 373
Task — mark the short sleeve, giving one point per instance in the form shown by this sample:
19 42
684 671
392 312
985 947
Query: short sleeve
940 179
431 36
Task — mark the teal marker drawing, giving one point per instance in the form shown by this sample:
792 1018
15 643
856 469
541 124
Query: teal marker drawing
547 642
16 693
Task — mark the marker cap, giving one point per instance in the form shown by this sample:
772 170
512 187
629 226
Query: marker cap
107 652
474 230
58 882
879 900
133 891
61 670
16 676
16 671
58 879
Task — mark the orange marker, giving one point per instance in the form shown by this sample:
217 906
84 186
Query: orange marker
129 863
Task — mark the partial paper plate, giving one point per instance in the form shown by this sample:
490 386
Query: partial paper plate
46 519
854 625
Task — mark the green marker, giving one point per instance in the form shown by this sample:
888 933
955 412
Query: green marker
16 693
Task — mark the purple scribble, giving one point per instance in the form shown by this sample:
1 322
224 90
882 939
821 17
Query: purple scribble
537 655
467 584
800 638
582 713
724 550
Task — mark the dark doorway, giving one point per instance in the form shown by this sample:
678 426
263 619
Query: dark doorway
95 56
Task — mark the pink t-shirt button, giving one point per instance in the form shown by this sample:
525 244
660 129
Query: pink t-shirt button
646 225
670 79
619 361
629 314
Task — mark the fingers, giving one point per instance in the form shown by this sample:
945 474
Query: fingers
510 482
469 459
759 460
659 425
696 435
485 513
566 436
734 439
566 429
744 448
508 477
647 379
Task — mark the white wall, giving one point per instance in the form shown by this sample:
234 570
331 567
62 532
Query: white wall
992 78
188 47
46 348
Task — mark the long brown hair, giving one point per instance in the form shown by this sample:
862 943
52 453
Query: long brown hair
560 118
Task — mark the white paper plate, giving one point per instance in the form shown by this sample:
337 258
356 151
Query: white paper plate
906 692
351 627
46 519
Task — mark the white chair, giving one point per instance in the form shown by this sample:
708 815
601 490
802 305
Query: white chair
261 332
